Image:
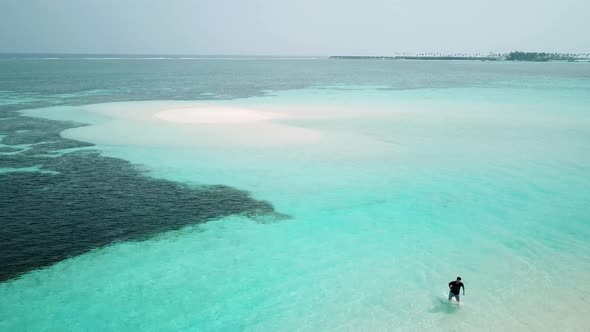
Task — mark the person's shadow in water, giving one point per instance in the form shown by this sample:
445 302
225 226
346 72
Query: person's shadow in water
441 305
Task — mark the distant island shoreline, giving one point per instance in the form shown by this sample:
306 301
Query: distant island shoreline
512 56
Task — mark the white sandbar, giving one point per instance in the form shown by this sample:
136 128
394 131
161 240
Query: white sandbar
215 115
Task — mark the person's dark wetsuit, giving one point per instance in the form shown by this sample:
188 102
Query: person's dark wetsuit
455 289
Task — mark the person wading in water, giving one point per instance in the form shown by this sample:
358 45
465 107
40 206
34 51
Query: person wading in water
455 289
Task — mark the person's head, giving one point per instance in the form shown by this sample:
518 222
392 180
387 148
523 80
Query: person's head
458 279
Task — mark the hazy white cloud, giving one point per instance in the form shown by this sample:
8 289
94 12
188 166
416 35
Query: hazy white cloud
289 27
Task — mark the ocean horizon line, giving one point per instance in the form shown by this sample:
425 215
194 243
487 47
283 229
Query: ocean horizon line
41 55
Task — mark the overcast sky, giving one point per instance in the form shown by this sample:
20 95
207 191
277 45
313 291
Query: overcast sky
293 27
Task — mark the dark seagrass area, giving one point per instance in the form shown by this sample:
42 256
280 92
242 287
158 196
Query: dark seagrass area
76 201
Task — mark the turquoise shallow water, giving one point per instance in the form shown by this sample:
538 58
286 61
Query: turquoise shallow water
479 170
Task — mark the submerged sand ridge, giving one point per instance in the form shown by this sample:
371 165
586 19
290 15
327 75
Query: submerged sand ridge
189 124
184 124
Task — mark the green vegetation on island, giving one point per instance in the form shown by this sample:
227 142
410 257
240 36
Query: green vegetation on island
540 56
